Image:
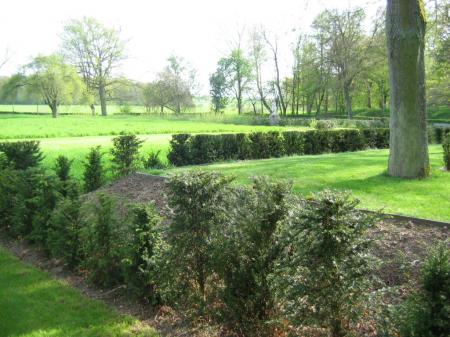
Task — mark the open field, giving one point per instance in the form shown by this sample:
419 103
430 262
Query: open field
32 126
363 173
32 304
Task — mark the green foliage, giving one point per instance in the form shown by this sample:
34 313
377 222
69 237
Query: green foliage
322 276
11 182
197 200
446 146
426 312
153 161
200 149
141 265
219 90
64 228
93 175
68 187
104 242
3 161
22 155
179 154
245 251
125 153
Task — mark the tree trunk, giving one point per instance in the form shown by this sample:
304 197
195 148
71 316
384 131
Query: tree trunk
348 101
369 95
54 108
405 26
102 95
92 106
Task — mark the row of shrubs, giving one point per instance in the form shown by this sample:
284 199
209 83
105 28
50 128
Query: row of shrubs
258 260
189 149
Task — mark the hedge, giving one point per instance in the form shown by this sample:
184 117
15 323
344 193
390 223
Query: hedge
189 149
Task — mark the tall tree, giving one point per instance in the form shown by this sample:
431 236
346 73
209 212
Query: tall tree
218 90
405 27
96 51
238 71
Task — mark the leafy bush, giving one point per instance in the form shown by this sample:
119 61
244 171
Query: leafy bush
22 155
141 265
153 161
266 144
179 154
230 146
326 124
11 182
293 142
68 187
197 200
125 153
439 134
317 142
446 146
64 228
245 253
426 312
3 161
104 242
244 146
322 275
93 170
205 149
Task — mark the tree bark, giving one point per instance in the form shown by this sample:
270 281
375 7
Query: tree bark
348 101
405 26
54 108
92 106
102 95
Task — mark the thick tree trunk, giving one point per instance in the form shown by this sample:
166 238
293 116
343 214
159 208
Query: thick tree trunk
92 106
54 108
102 95
405 26
348 101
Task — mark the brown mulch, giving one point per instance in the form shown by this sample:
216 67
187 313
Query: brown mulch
400 244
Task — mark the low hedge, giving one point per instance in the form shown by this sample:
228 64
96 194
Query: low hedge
189 149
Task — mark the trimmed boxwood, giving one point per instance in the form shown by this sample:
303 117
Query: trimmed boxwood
201 149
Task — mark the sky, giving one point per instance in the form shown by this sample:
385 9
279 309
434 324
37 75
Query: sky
200 31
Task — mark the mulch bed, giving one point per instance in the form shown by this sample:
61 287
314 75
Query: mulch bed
400 243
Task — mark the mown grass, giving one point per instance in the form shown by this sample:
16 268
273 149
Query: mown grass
363 173
35 126
32 304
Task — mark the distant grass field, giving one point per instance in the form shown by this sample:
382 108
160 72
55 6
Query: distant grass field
34 126
363 173
32 304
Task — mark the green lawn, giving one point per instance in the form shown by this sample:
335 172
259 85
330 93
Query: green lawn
34 126
32 304
360 172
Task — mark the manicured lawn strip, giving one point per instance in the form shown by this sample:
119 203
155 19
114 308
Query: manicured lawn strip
32 304
31 126
363 173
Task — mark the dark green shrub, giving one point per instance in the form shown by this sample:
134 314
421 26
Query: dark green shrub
22 155
153 161
245 253
206 149
93 170
347 140
317 142
322 275
11 182
179 153
244 146
230 147
141 267
3 161
64 228
266 144
293 142
197 200
439 134
446 146
104 242
382 138
125 154
68 187
426 312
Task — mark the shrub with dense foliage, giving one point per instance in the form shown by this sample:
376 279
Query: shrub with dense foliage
68 186
322 276
153 161
22 155
426 312
201 149
125 154
245 252
446 146
197 200
93 175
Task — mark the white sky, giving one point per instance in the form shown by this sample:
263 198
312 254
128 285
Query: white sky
197 30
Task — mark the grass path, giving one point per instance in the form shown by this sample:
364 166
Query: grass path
363 173
32 304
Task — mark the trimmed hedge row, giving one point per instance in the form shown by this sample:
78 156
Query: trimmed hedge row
189 149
